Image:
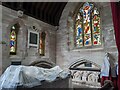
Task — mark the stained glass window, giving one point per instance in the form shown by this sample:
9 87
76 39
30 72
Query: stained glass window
87 26
13 39
96 27
42 43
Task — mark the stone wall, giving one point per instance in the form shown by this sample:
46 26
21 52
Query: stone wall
59 46
25 54
66 51
0 38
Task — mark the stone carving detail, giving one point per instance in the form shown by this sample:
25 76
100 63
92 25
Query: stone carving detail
89 76
85 73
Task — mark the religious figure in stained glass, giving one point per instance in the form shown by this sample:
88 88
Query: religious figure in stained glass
87 26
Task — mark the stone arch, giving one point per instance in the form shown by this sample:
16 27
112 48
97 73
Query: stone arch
75 64
43 64
79 5
87 74
22 38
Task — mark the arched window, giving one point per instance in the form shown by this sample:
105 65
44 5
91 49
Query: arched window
13 39
42 44
87 26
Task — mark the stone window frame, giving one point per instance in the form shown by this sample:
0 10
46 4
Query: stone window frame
71 28
21 51
92 46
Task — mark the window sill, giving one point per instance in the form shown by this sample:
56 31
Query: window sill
97 49
90 49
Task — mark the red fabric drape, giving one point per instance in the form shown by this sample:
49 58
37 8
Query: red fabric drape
103 79
115 7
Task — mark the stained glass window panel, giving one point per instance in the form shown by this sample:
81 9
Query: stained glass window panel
96 27
86 23
13 41
42 43
79 31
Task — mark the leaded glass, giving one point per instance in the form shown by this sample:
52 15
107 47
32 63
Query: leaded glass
86 23
96 27
13 41
87 26
42 44
79 31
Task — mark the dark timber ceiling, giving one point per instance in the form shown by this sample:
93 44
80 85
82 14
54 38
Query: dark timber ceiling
49 12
